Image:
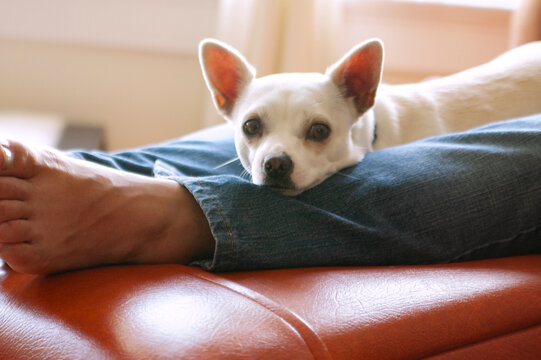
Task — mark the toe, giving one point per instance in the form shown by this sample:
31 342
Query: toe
15 231
12 188
16 160
13 210
21 257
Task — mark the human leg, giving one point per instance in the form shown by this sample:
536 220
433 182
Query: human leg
450 198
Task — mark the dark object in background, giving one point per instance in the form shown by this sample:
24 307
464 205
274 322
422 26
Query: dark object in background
81 137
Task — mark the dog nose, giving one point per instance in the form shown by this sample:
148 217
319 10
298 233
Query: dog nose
278 166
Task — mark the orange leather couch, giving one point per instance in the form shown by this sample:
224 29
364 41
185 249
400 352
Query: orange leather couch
477 310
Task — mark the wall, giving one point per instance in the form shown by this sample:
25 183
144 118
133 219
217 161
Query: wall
127 65
139 97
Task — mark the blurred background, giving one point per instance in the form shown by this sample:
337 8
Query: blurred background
117 74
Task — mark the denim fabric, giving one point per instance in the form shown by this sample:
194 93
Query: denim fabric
456 197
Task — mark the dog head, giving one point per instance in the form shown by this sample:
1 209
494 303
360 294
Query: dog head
293 130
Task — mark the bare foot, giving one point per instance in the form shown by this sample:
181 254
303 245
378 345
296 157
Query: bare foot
59 213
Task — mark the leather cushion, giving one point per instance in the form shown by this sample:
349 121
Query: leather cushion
174 311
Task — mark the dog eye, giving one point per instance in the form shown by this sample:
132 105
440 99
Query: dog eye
318 132
252 127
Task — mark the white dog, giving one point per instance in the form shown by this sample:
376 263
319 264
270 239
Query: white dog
294 130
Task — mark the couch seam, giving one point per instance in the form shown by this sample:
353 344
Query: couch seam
311 339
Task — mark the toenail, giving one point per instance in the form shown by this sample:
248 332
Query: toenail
8 157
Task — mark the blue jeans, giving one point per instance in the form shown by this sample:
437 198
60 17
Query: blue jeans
456 197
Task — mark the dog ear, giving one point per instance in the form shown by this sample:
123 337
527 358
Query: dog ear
226 73
358 73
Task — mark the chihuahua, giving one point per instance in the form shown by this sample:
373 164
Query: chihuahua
293 130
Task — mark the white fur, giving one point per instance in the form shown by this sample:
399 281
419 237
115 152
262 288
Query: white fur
507 87
295 99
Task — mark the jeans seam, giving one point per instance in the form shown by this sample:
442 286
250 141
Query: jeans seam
227 228
502 241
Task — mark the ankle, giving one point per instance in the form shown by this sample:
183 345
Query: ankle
179 232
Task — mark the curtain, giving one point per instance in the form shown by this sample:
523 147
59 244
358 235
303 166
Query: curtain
280 35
